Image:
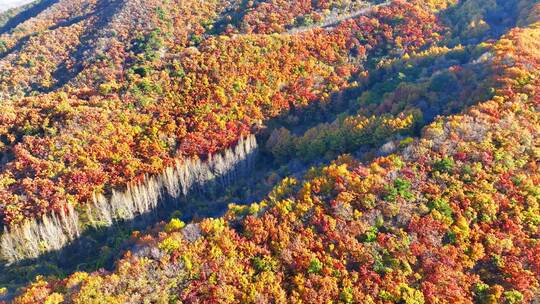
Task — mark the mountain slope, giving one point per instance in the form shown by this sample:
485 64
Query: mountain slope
391 146
161 81
451 217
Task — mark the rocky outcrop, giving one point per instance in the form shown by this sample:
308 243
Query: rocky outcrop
54 231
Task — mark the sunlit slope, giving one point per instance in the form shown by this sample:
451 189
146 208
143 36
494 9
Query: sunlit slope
128 89
451 217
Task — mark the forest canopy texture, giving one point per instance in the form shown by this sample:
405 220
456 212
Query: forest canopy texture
367 151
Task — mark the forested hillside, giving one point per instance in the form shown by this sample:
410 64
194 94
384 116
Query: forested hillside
371 151
170 95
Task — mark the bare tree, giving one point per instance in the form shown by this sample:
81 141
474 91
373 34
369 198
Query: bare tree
54 230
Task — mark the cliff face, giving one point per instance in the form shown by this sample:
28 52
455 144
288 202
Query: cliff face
53 231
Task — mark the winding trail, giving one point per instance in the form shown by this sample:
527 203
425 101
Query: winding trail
332 21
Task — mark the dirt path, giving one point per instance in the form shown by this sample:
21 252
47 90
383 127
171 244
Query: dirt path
332 21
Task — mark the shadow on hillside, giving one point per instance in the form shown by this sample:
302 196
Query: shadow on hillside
105 11
232 15
70 22
27 14
17 47
23 40
499 18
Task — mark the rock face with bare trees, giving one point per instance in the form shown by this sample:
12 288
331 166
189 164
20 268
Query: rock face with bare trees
55 230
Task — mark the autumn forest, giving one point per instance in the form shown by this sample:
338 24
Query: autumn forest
270 151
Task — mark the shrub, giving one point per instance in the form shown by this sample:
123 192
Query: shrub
406 141
346 295
513 297
370 235
315 266
400 188
444 165
442 206
174 225
142 71
263 264
481 291
169 245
